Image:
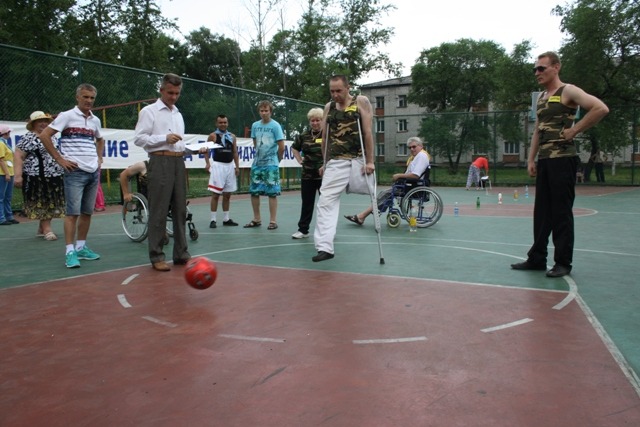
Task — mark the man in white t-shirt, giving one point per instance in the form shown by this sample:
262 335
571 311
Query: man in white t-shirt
416 168
81 146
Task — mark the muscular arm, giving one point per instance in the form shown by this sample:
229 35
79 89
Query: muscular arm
236 158
366 122
596 110
533 151
126 175
280 149
45 138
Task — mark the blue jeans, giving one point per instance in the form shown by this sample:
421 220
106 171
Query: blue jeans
80 189
6 194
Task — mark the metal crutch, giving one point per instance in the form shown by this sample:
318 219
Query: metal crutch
372 193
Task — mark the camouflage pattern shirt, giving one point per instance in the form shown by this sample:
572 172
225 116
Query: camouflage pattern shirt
344 132
310 145
553 118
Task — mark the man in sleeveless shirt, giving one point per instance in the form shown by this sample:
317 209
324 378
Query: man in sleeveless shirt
341 145
224 171
555 172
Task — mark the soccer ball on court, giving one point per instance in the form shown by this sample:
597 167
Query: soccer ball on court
200 272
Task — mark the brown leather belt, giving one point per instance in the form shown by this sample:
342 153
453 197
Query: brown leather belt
167 153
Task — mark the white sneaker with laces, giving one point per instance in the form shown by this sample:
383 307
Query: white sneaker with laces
299 235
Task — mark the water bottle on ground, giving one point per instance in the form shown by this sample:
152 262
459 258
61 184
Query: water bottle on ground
413 219
499 198
456 209
526 191
478 203
515 195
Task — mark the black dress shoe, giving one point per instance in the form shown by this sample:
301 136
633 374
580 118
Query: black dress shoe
230 222
322 256
180 261
13 221
527 265
212 224
558 271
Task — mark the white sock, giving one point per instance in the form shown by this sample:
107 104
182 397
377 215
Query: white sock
213 216
69 249
80 244
226 216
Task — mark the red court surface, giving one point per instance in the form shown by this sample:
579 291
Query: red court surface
298 347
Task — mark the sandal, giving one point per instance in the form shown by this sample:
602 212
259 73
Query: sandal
272 226
253 224
354 219
50 236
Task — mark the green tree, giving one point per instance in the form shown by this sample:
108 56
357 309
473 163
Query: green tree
212 58
457 77
601 55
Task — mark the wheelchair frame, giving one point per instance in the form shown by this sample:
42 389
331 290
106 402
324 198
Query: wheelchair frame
135 220
427 202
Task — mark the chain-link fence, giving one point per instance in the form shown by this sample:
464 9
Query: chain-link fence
33 80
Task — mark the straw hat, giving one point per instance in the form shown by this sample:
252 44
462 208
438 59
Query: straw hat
38 115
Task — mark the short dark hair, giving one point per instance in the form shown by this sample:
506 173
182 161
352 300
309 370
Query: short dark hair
221 116
553 57
341 77
172 79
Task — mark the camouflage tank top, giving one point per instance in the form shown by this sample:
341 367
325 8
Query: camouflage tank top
344 135
553 117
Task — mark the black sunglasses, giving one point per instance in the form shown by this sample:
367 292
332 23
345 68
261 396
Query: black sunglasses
539 69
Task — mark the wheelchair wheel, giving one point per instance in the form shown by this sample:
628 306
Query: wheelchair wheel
429 205
393 220
135 218
193 234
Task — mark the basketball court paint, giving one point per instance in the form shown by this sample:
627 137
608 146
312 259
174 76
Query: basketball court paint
443 334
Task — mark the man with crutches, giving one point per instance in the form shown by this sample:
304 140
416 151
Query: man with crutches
347 139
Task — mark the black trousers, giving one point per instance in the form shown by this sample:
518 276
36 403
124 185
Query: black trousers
308 190
167 190
553 210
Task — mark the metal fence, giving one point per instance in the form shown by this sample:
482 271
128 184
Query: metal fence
32 80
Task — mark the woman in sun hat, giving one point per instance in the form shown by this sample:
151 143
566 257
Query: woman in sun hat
6 177
40 176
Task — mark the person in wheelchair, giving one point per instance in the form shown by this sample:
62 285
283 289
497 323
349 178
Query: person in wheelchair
139 170
417 166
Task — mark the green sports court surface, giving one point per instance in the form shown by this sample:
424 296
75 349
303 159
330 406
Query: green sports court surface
443 334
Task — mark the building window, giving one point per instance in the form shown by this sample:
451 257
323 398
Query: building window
380 149
403 125
511 148
380 102
402 101
379 126
403 150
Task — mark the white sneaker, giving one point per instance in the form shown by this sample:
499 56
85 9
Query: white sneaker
299 235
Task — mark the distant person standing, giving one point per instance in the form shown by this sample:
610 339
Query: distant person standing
598 161
309 143
268 141
40 177
80 155
224 170
479 167
553 143
6 178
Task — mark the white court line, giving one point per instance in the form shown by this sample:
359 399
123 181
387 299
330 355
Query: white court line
122 299
573 293
507 325
246 338
389 340
129 279
159 322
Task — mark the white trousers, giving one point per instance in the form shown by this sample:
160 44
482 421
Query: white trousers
334 182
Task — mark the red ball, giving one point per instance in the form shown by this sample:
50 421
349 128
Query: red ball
200 272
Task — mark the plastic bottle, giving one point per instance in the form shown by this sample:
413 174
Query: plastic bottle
413 219
515 195
499 198
526 191
456 209
478 202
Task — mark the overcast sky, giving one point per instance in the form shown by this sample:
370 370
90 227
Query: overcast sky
418 24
